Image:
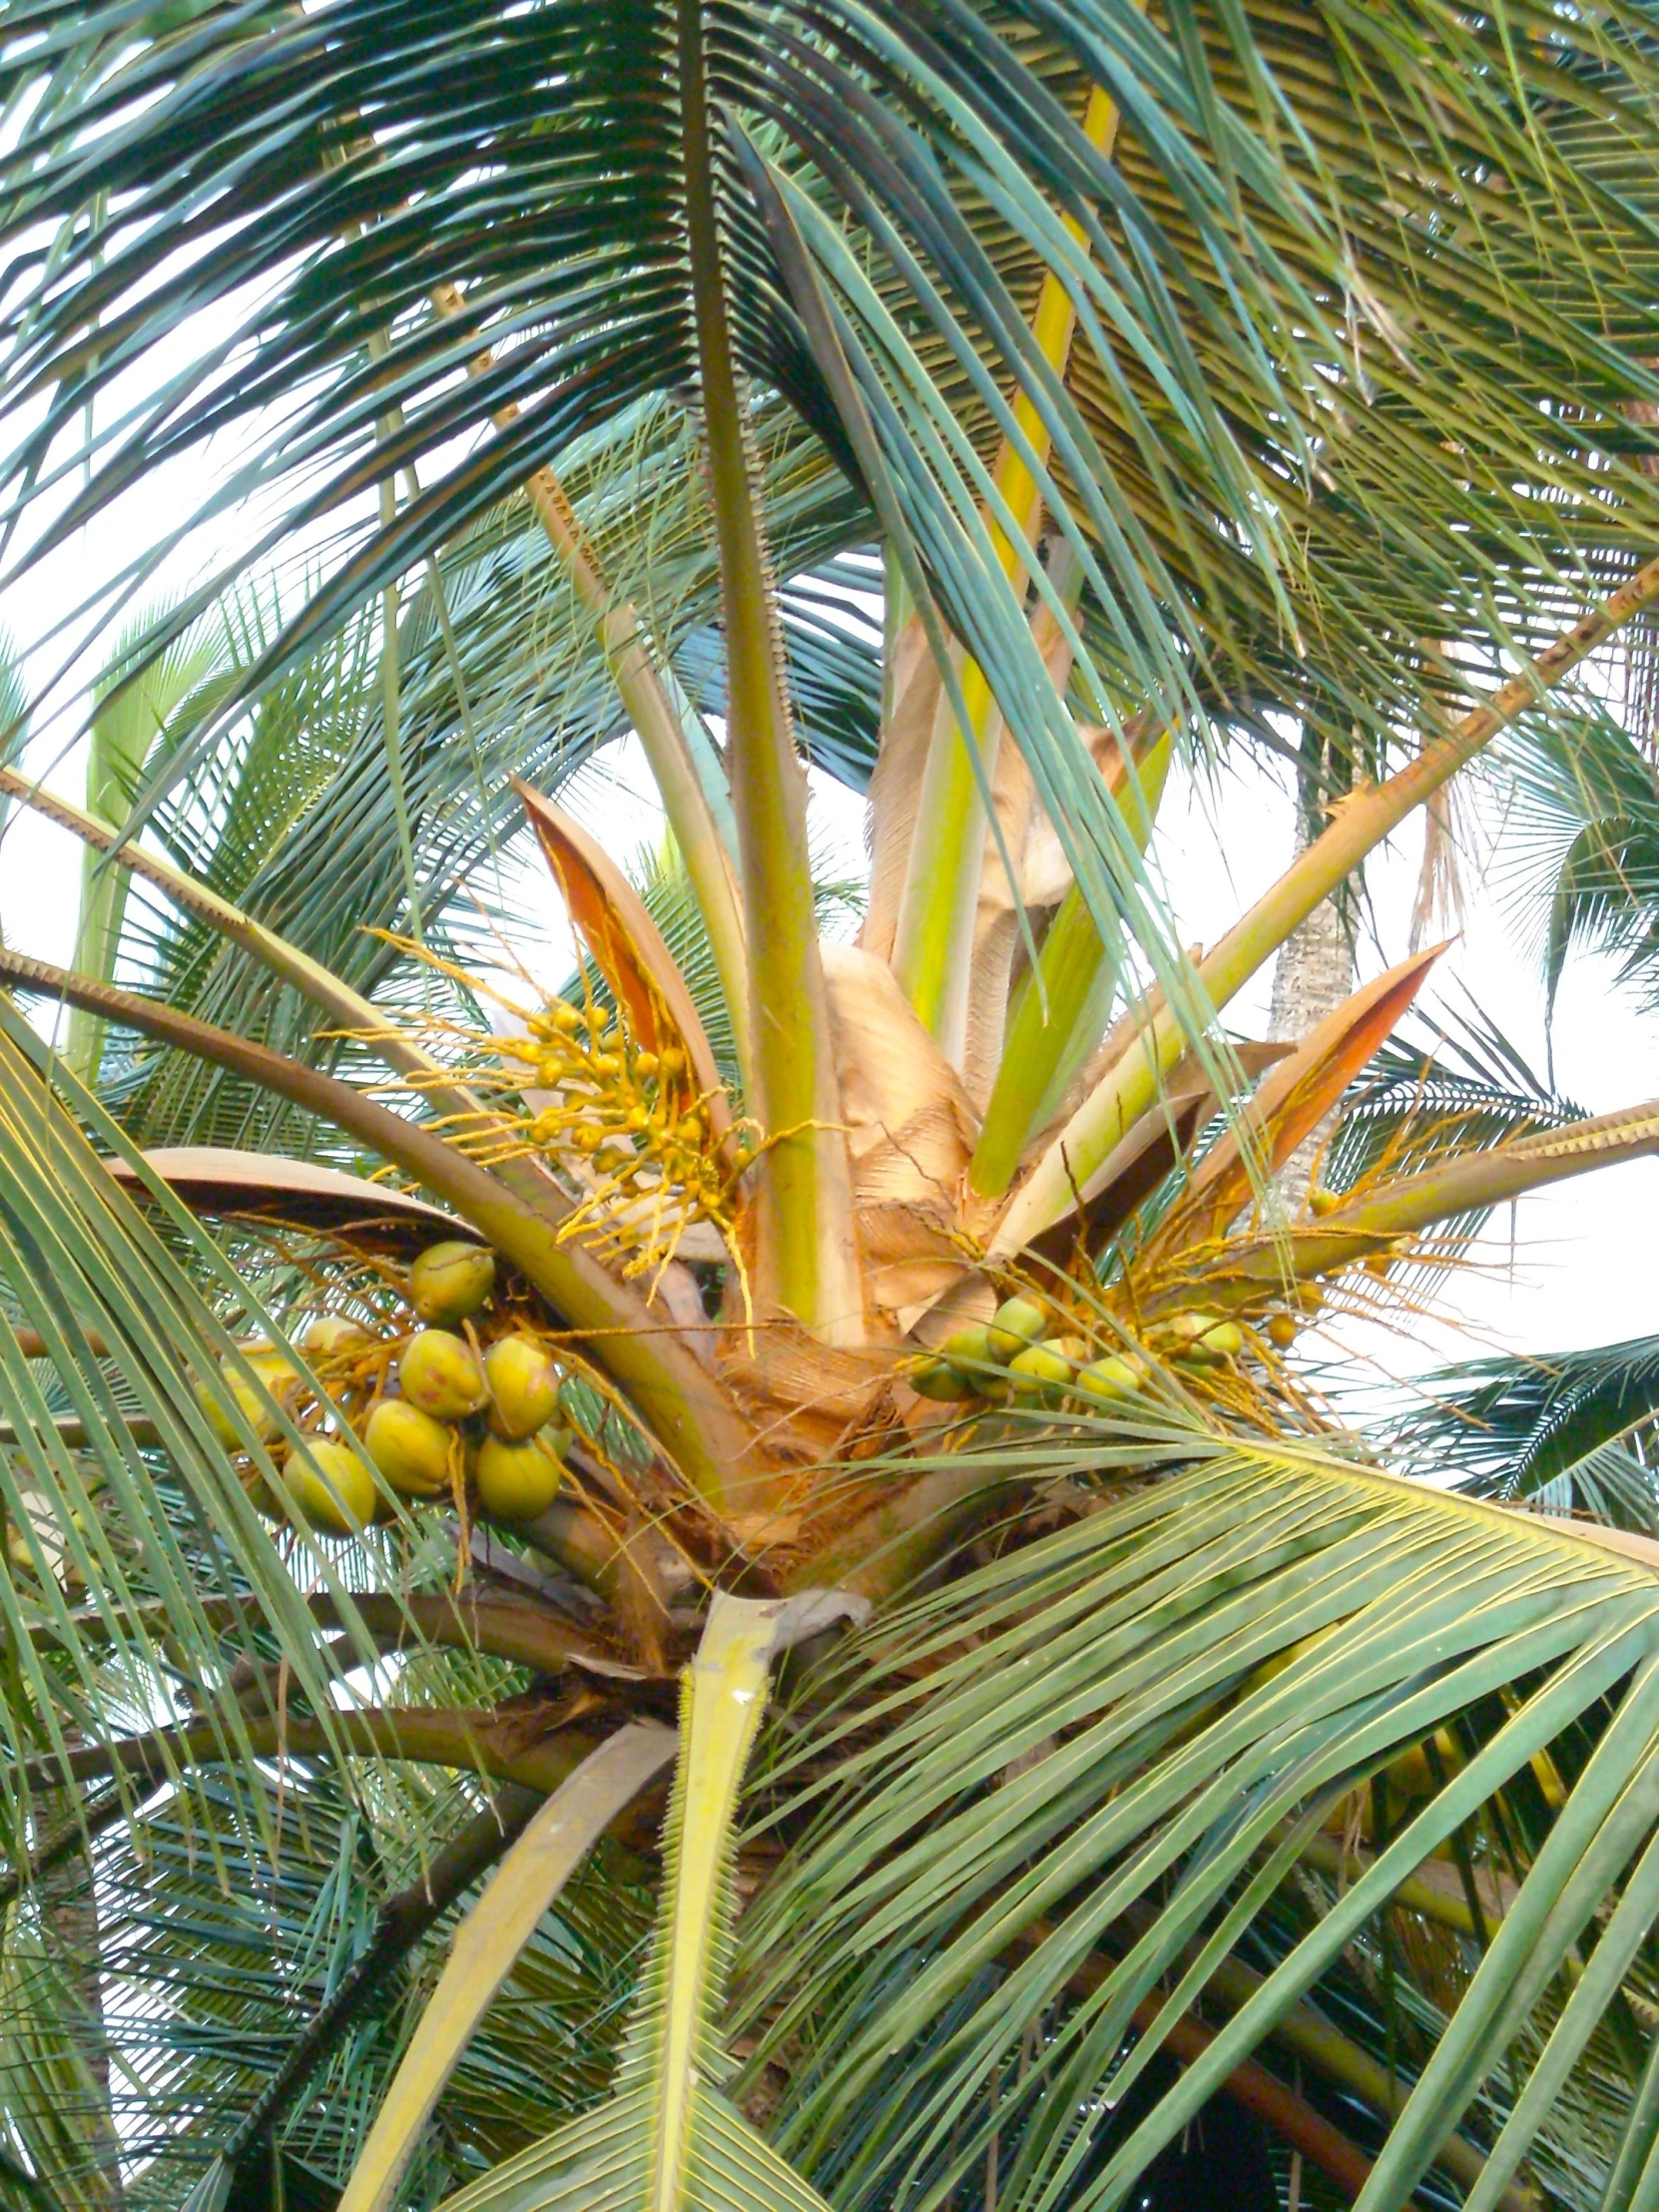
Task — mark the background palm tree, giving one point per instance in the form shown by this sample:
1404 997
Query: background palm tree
984 405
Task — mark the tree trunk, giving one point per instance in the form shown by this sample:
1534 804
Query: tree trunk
70 1932
1315 969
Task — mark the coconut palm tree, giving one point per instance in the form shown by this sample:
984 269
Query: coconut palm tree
441 1414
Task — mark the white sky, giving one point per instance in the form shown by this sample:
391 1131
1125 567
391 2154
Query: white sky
1578 1271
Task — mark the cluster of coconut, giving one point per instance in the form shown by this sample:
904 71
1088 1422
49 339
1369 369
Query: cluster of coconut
439 1412
1015 1359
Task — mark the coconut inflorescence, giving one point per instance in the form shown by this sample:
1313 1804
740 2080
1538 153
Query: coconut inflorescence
463 1401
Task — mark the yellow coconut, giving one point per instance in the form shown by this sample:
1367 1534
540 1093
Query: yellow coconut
1412 1773
259 1415
332 1487
450 1281
331 1335
440 1374
410 1447
523 1387
516 1481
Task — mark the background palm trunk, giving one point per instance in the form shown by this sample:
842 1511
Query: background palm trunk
1315 969
74 1947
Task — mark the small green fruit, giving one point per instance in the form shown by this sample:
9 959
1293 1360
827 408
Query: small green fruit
523 1385
517 1481
1017 1322
1108 1379
440 1374
410 1447
969 1352
450 1281
1204 1340
1041 1368
938 1379
332 1487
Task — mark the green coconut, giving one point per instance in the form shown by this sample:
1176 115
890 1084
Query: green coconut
1109 1379
1202 1339
938 1379
1017 1323
969 1352
1043 1368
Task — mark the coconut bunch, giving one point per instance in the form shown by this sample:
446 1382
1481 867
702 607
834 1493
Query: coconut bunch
1035 1352
465 1403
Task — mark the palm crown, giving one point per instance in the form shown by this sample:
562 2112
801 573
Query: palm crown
917 1317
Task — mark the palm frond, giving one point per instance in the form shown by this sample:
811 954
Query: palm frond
1071 1784
1579 851
221 1958
667 2135
162 1639
1296 255
1571 1430
1451 1082
14 713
